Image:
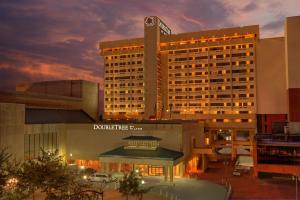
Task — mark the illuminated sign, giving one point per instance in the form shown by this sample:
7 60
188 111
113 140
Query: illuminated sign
165 30
117 127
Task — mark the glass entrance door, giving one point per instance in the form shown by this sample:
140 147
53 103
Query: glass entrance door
156 171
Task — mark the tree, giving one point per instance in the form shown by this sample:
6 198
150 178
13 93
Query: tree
9 189
131 185
4 173
47 174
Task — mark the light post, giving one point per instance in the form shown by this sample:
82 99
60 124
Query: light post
296 178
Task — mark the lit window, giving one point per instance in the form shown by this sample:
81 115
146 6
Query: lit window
207 141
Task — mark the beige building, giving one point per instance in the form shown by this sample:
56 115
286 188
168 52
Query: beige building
153 147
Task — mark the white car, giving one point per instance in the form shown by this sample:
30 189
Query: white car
100 177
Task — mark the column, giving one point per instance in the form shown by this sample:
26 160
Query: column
171 173
107 170
203 163
102 167
166 172
181 169
119 167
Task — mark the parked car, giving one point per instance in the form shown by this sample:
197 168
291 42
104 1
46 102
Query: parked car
236 173
101 177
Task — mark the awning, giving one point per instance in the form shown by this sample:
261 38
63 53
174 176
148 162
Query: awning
245 161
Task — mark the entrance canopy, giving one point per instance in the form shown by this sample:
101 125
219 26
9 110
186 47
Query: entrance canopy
160 156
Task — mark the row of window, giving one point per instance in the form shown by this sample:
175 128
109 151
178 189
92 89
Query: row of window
237 104
125 113
124 84
124 99
221 56
125 92
139 62
218 48
221 96
211 80
123 56
124 77
211 39
124 70
124 106
205 73
203 65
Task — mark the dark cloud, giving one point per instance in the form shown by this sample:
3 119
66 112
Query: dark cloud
63 36
66 33
274 25
250 6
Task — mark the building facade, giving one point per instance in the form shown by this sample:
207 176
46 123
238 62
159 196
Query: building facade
156 148
207 75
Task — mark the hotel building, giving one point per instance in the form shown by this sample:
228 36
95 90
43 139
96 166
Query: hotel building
207 75
230 78
172 102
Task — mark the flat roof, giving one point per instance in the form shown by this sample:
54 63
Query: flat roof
142 137
158 154
48 116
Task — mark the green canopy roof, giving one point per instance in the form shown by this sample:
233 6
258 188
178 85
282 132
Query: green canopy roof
142 137
160 153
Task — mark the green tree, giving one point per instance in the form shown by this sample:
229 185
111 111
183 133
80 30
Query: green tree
132 185
4 172
46 173
9 189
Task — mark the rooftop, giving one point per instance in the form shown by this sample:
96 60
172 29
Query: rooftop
142 137
48 116
160 153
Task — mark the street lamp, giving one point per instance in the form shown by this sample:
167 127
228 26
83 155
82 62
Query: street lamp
296 178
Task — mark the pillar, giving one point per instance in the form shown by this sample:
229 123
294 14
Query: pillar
171 173
119 167
107 170
181 169
203 163
166 173
102 167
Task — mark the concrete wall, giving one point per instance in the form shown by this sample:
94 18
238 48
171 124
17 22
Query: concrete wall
271 77
151 68
90 99
68 94
12 118
292 48
67 88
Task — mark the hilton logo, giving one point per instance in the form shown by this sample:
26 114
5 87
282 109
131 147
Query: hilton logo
116 127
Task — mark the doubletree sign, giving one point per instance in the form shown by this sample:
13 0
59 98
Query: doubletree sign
117 127
164 28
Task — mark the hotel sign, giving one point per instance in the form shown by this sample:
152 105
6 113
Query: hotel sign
163 27
117 127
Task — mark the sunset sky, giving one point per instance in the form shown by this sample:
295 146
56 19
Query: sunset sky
53 40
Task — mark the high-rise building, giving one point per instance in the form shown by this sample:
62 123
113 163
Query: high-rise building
236 82
207 74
